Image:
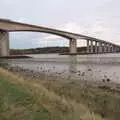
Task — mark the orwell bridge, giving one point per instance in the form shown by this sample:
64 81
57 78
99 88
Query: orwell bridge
94 45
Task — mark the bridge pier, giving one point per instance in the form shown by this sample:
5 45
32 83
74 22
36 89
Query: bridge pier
105 48
115 49
91 46
108 46
4 43
73 46
112 48
118 49
96 48
88 51
100 47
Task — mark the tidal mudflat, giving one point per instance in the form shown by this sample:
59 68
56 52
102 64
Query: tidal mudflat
103 68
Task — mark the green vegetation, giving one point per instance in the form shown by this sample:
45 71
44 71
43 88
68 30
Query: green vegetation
28 100
17 104
102 100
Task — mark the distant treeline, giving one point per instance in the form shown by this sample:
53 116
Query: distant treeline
44 50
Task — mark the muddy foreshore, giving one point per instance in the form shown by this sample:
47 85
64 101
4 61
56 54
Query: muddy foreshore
33 75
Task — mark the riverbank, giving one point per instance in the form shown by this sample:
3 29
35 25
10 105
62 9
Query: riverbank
15 57
44 50
100 99
23 99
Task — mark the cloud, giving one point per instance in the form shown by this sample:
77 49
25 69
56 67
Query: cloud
98 30
70 27
101 31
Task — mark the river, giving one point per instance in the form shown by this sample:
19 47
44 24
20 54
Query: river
103 67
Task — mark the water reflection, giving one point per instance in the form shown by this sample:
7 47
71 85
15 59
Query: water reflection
72 67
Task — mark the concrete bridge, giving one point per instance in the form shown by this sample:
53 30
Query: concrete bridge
94 45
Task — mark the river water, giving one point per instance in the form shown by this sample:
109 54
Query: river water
103 67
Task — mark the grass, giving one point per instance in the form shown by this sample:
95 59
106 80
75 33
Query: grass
17 104
102 100
27 100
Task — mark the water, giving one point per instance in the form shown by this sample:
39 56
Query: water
80 67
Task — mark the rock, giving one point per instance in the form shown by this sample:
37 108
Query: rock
103 80
108 80
89 69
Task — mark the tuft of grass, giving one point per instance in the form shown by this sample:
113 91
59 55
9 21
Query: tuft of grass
28 100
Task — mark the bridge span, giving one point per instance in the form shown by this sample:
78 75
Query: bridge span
94 45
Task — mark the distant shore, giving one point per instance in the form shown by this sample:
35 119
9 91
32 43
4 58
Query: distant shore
21 53
45 50
15 57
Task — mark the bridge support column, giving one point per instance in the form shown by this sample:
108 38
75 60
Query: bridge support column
115 49
4 43
105 47
91 46
118 49
88 47
112 48
100 47
96 47
108 48
73 46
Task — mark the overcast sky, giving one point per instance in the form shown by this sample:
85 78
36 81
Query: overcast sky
96 18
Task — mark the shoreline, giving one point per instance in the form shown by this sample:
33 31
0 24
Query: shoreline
40 76
15 57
